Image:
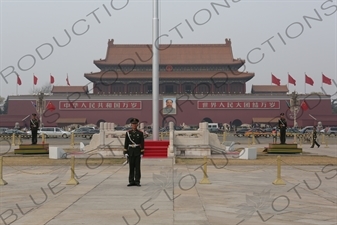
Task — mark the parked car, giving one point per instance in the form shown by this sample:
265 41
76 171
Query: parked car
167 128
175 128
83 131
14 131
122 128
241 132
214 128
307 129
54 132
331 131
267 130
91 132
3 129
291 131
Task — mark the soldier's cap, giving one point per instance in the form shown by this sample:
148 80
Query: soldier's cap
134 121
34 114
282 114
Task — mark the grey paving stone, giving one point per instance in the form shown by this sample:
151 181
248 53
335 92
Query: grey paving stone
235 192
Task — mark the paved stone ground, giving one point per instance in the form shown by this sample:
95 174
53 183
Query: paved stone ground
172 194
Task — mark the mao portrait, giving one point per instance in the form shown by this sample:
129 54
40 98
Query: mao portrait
169 106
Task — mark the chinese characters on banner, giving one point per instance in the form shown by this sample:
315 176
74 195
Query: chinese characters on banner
238 104
137 105
100 105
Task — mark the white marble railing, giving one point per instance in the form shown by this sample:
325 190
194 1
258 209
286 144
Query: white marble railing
190 143
193 143
108 141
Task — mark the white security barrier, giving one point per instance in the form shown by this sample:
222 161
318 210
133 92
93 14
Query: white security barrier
248 153
56 152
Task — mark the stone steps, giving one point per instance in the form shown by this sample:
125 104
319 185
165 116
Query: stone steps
284 148
32 149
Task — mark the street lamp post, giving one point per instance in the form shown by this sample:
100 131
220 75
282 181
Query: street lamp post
40 106
294 106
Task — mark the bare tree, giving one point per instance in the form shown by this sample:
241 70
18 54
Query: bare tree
46 88
4 105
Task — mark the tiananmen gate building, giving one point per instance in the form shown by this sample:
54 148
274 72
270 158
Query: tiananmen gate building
202 80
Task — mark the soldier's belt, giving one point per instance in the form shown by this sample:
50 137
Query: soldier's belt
133 145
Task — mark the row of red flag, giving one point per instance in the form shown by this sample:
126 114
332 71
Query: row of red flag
308 80
35 79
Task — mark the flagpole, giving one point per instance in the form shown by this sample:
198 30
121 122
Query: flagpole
305 83
288 83
155 72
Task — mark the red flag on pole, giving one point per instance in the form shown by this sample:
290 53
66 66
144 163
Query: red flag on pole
68 80
50 106
291 80
308 80
35 80
18 80
52 79
275 80
304 106
326 80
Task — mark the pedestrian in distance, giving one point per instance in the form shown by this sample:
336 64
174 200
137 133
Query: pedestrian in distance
314 138
134 150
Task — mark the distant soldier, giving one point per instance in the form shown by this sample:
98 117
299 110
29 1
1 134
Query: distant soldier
314 138
134 150
34 126
282 125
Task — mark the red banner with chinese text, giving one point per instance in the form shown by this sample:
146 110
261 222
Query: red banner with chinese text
100 105
238 104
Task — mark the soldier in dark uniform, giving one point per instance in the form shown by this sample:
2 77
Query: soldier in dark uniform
314 138
134 150
34 126
282 125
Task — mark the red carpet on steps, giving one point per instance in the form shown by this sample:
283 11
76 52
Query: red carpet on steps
155 149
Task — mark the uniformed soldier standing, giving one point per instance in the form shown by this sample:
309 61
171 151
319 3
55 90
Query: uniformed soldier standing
134 150
34 126
282 124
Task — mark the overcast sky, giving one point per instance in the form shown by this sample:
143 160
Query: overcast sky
272 36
